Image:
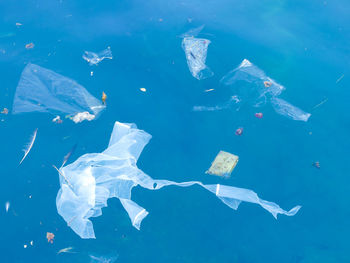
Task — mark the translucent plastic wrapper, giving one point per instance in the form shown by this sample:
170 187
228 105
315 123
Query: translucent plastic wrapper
196 54
92 179
42 90
95 58
250 86
284 108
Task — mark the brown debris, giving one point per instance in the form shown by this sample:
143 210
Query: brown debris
104 97
29 46
267 84
50 237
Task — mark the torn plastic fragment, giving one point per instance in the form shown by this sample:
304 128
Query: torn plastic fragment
81 116
251 86
284 108
95 58
223 164
196 55
94 178
42 90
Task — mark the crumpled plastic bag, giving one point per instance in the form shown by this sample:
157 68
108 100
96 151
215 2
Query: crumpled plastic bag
196 54
42 90
250 85
93 178
95 58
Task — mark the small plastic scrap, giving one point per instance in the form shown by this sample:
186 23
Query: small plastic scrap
66 250
95 58
223 164
104 97
87 183
104 259
18 24
42 90
251 86
29 46
57 119
143 89
25 246
196 54
29 145
284 108
82 116
316 164
7 206
239 131
50 237
5 111
31 243
207 90
259 115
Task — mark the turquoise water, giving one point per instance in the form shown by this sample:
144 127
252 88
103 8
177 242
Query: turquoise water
302 45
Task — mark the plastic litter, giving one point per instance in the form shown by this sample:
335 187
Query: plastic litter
87 183
223 164
42 90
111 258
284 108
95 58
252 87
50 237
196 54
7 206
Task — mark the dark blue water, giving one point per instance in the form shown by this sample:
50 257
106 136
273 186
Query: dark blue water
303 45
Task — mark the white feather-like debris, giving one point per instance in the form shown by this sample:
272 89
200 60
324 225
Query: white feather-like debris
29 146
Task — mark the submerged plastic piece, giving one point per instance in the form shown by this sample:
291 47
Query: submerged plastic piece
92 179
223 164
251 84
43 90
286 109
95 58
196 55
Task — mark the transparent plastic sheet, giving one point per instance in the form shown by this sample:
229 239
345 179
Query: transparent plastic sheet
92 179
250 86
42 90
284 108
95 58
196 54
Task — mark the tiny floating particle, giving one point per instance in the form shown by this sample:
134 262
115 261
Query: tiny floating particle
91 73
207 90
25 246
267 84
143 89
29 46
239 131
7 206
5 111
18 24
57 119
31 243
50 237
316 164
104 97
259 115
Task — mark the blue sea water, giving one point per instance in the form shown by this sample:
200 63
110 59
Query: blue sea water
304 45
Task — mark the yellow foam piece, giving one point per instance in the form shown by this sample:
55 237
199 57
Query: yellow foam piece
223 164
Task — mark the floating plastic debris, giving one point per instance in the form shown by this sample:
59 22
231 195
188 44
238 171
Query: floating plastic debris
25 246
29 146
66 250
87 183
95 58
68 155
284 108
143 89
196 54
259 115
42 90
316 164
57 119
239 131
29 46
104 97
223 164
227 105
208 90
5 111
103 259
50 237
251 86
7 206
18 24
